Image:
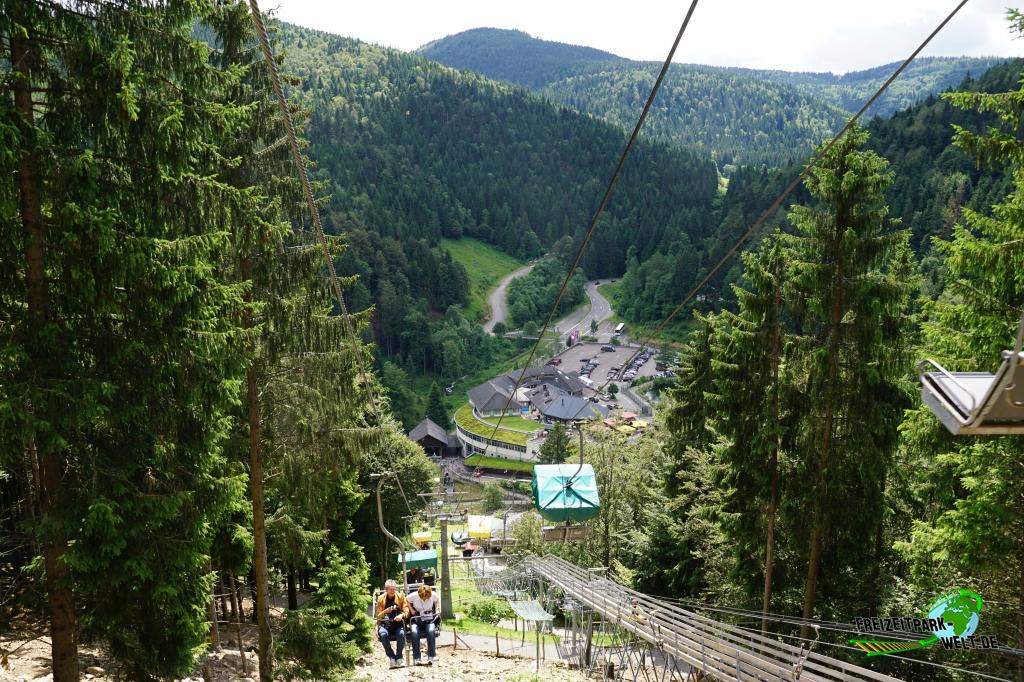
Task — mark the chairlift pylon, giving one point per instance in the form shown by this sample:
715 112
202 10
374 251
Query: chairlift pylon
977 403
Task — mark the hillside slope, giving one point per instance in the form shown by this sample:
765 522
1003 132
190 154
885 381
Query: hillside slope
740 115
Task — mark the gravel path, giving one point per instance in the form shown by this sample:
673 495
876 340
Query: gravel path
496 301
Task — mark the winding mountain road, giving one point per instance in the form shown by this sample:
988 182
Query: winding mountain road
496 301
599 309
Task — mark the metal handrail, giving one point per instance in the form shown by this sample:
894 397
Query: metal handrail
945 372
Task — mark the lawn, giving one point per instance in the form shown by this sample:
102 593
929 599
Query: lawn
515 422
464 417
485 265
498 463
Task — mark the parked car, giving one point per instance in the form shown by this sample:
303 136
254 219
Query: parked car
555 361
607 349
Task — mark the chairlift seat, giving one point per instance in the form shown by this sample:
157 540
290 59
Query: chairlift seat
564 533
977 403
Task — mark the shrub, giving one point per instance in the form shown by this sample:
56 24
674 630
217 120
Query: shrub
494 498
489 610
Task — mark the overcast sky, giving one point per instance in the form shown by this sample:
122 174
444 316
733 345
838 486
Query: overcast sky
795 35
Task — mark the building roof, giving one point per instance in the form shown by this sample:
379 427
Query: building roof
569 407
428 428
492 395
548 374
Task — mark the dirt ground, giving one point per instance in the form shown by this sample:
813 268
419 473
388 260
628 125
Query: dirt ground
466 666
31 662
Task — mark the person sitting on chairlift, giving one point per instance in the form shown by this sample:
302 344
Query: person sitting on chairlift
392 615
426 618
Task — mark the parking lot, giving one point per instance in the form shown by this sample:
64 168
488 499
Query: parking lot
575 359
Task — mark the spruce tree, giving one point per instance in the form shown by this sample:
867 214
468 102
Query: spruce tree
750 391
678 528
972 521
436 411
142 335
846 306
555 449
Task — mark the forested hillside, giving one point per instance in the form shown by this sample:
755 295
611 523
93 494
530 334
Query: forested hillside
925 76
537 62
933 182
742 116
187 422
413 152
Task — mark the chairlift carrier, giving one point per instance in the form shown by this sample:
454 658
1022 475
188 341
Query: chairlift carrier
565 492
978 403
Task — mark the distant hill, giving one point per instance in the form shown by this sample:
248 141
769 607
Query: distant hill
925 76
514 56
740 115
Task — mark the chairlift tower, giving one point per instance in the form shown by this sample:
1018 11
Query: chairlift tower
448 508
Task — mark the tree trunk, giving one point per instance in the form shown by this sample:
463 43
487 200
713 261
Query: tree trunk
259 530
876 568
250 581
214 625
64 650
820 488
293 594
223 600
236 609
773 462
1020 610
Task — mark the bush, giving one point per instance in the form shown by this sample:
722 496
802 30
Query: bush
312 648
489 610
494 498
318 642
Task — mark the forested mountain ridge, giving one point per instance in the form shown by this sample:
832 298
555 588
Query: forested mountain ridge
412 151
740 115
924 77
485 51
933 181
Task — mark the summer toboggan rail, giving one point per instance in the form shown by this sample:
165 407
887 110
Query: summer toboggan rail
640 637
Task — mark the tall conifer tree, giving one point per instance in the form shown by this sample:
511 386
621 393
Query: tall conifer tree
973 521
846 306
748 348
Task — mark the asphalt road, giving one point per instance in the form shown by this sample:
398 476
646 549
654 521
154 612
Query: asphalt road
496 301
599 309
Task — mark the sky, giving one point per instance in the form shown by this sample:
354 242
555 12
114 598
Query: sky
794 35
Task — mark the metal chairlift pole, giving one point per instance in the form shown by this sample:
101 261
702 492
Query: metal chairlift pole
391 536
444 570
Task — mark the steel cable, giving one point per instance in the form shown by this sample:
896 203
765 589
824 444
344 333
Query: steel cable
307 189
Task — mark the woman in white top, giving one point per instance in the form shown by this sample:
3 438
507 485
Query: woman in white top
426 609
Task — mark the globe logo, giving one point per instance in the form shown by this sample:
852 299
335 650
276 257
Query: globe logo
960 611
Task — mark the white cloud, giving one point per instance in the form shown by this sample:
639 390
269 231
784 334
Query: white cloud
806 35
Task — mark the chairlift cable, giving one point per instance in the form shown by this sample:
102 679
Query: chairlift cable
775 205
778 202
597 214
307 189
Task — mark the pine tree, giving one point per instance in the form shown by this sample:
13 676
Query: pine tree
142 333
436 411
846 306
672 562
974 486
555 449
747 349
